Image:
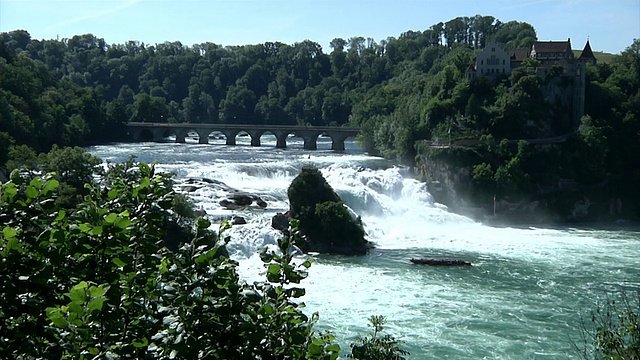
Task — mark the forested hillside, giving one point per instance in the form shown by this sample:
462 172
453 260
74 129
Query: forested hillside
407 93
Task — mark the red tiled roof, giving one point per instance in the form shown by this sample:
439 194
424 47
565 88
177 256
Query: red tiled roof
551 46
519 54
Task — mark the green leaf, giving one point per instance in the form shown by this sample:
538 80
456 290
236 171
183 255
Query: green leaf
96 291
297 292
111 218
77 294
56 316
85 228
59 322
61 215
14 244
140 343
202 223
31 192
267 309
274 268
57 236
144 168
97 230
119 263
165 204
145 182
96 304
122 223
35 182
314 349
112 194
51 185
9 233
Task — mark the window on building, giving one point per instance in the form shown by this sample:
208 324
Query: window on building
493 49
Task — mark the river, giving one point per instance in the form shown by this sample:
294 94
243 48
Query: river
523 298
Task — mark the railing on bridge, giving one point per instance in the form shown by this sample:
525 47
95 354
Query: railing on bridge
310 134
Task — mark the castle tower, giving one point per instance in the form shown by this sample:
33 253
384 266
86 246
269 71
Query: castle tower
585 58
587 55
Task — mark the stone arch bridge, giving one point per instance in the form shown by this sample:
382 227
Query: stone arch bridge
157 131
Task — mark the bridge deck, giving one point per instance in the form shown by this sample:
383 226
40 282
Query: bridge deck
155 132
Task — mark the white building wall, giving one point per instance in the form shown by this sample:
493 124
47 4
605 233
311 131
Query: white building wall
493 61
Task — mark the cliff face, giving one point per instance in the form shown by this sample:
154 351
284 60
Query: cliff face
451 184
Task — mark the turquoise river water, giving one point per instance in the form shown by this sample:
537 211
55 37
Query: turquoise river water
523 298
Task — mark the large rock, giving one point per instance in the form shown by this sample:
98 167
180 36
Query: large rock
280 221
242 200
327 223
238 220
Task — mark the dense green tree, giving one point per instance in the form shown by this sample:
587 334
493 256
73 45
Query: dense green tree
6 142
238 106
515 35
150 109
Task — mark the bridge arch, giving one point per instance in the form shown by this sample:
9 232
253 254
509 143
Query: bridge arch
310 134
280 135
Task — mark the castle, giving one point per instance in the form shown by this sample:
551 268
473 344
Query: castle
494 61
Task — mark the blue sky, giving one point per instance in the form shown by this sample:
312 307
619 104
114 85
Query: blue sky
610 25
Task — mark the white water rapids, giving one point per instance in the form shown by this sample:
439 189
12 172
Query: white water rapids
522 299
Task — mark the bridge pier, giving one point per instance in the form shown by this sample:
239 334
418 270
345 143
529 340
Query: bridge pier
181 135
310 139
337 140
281 139
230 135
255 136
203 135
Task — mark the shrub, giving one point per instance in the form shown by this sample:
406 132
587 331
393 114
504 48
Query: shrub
615 331
377 347
97 281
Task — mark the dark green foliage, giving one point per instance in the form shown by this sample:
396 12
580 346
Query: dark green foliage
324 219
337 225
378 346
72 167
516 35
97 281
6 142
308 189
183 206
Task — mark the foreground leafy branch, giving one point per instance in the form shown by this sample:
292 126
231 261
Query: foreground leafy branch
125 273
99 281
